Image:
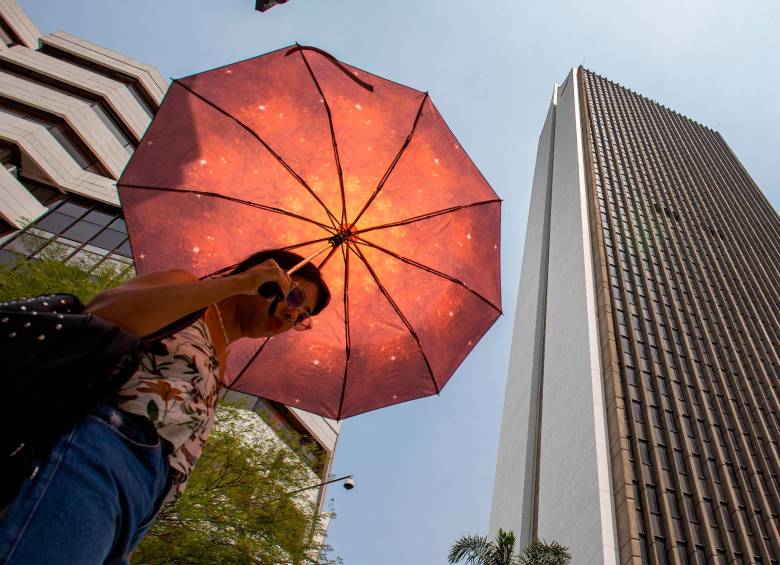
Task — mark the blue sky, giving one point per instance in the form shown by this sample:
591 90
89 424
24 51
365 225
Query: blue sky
424 470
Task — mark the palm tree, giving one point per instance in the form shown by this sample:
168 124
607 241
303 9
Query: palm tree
539 552
477 550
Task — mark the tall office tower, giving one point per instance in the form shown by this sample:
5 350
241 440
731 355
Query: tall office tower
641 417
71 114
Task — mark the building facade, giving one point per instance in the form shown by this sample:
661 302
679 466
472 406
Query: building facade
71 115
641 416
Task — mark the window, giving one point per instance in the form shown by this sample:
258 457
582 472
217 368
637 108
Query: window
652 500
55 222
662 388
688 427
643 550
75 230
644 454
690 508
637 411
663 457
659 541
656 417
697 466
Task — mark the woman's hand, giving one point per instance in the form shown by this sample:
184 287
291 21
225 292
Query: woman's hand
266 272
154 300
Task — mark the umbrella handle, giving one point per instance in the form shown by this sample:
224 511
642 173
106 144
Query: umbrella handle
320 251
271 290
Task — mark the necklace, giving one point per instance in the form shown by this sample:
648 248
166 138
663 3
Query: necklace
222 324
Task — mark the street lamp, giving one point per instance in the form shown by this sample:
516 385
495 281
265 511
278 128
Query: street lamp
263 5
349 484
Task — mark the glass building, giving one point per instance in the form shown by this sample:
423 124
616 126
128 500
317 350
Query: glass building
641 417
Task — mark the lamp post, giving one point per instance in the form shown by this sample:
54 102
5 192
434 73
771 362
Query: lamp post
349 484
263 5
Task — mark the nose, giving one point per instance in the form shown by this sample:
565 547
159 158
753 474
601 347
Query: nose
290 314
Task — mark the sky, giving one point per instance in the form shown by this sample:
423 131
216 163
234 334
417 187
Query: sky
424 470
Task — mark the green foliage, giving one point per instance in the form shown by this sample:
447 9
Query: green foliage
478 550
539 552
235 508
49 275
474 550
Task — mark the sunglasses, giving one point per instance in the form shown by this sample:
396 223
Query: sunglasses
295 299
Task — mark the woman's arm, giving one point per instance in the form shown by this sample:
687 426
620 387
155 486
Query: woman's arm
150 302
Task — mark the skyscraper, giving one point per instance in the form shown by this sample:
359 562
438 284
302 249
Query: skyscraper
643 400
71 115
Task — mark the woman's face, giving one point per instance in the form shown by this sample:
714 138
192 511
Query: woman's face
252 312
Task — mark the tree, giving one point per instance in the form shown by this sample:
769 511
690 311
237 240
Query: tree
236 508
50 275
478 550
539 552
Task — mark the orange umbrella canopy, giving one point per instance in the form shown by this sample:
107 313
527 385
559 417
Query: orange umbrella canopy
294 149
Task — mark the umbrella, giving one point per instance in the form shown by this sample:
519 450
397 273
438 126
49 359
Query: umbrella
296 150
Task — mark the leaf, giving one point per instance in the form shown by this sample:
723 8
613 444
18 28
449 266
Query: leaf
152 410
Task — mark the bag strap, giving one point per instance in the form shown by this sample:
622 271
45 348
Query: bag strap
174 327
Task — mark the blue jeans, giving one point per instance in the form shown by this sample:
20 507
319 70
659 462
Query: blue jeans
93 499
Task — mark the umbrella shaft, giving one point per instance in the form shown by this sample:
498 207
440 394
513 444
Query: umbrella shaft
320 251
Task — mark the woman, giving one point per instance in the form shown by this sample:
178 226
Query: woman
97 494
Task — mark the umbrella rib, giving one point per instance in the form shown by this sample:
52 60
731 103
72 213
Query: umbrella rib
242 372
428 269
327 258
223 270
426 216
276 156
305 243
347 344
231 199
333 141
400 314
390 169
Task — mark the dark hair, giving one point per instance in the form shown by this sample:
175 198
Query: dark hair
287 260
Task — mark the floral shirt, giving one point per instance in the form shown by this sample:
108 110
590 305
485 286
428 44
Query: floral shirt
177 389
